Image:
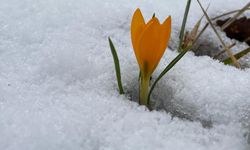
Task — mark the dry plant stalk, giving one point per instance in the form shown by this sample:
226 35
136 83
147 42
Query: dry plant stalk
239 11
247 39
229 52
190 37
230 21
222 15
223 51
227 13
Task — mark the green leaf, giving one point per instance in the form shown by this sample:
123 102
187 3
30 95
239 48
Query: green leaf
237 56
117 66
181 36
170 66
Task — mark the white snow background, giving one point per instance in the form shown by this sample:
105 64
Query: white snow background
58 88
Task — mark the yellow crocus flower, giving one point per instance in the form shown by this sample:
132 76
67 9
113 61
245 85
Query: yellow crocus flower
149 41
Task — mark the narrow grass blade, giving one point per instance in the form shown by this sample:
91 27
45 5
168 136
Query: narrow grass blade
237 56
181 36
117 66
170 66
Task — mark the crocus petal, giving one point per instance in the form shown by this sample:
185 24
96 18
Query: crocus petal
149 46
137 26
165 31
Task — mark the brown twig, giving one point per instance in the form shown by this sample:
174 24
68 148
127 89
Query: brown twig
227 13
200 33
230 21
223 51
247 39
217 17
229 52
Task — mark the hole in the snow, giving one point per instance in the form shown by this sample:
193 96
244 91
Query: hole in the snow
163 99
238 30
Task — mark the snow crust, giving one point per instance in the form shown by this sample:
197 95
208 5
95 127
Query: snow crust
58 88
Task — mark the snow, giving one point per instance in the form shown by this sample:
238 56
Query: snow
58 88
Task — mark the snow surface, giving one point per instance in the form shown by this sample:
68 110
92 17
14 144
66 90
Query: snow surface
58 87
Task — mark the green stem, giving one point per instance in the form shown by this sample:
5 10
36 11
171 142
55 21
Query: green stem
169 66
144 86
